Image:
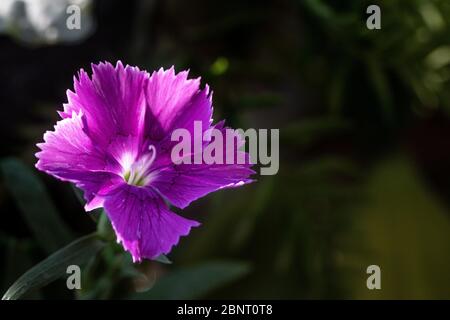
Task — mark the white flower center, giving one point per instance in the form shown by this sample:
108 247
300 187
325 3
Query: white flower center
136 173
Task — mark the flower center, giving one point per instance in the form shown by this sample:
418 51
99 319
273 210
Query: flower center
136 174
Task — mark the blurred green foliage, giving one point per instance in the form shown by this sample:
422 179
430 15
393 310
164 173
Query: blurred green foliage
39 211
406 230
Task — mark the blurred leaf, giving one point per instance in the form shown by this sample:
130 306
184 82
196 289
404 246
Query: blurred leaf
337 88
326 14
432 15
94 214
220 66
78 194
110 273
439 57
220 223
104 227
194 282
34 202
381 85
55 266
17 261
325 167
163 259
247 222
305 132
320 9
258 100
405 230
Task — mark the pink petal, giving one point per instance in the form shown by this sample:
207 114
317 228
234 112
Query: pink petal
143 223
175 102
113 101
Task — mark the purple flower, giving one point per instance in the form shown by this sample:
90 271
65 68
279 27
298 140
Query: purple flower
114 142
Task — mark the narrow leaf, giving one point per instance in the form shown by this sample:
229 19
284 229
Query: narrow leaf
55 266
35 204
17 261
78 194
163 259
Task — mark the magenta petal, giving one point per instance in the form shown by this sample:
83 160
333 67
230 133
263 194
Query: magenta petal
183 183
113 101
174 101
68 150
95 186
143 223
114 142
69 154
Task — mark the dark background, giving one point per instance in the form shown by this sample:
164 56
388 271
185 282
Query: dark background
364 148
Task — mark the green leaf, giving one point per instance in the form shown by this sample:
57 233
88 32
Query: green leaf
55 266
17 261
104 227
94 214
35 204
194 282
163 259
78 194
320 9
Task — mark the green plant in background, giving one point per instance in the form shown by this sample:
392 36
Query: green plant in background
365 86
403 65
